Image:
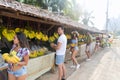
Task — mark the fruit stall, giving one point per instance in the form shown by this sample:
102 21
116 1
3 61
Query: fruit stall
40 27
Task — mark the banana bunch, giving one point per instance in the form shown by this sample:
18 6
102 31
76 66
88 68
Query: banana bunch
31 34
80 36
68 36
42 51
13 52
17 29
33 54
73 45
9 34
51 39
80 43
45 38
56 35
4 32
26 32
10 58
84 36
39 35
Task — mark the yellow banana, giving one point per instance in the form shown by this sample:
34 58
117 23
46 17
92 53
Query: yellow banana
13 60
5 55
17 58
17 29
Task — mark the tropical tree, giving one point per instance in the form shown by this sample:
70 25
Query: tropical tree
87 18
68 7
56 5
73 10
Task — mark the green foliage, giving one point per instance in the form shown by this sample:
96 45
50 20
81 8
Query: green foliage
69 8
55 4
72 9
86 18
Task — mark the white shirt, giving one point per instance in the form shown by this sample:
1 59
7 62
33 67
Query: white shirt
62 39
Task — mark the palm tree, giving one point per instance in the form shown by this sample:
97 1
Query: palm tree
73 10
87 18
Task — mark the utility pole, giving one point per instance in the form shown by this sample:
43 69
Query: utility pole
107 10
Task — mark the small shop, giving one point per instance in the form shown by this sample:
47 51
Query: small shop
40 27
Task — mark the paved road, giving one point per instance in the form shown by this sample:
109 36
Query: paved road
104 65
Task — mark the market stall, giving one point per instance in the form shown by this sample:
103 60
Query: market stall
39 26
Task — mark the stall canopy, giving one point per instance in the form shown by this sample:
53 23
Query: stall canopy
22 11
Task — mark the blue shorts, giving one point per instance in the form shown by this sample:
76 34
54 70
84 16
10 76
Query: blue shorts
19 72
76 48
60 59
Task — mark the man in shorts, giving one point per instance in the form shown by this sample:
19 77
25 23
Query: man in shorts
60 48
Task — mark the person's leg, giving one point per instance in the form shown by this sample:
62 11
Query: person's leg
59 62
74 57
23 77
11 77
88 51
95 48
64 70
60 71
87 54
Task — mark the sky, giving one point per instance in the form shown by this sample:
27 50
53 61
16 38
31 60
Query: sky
99 10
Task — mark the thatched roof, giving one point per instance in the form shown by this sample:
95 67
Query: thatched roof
16 9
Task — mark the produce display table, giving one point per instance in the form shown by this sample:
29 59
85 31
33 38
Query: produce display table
40 65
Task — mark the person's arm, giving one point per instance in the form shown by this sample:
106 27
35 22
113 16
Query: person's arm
25 62
56 47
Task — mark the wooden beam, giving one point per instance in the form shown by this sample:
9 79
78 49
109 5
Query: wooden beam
50 28
22 17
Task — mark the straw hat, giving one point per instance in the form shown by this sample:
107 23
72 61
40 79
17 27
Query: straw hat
75 32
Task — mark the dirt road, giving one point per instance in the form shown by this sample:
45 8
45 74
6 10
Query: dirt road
103 66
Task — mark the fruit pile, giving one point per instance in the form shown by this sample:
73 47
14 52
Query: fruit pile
11 57
39 52
30 34
9 34
81 39
68 36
